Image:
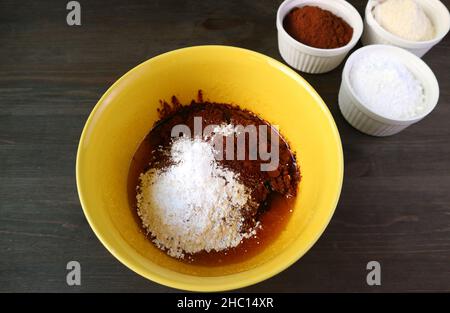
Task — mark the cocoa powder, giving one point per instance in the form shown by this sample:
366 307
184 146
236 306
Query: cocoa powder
317 28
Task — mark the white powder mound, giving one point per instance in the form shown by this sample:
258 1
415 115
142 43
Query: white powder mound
193 205
387 87
404 18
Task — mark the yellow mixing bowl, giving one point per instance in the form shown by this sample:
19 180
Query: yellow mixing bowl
126 113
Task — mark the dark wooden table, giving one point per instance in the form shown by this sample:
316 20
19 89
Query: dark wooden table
395 202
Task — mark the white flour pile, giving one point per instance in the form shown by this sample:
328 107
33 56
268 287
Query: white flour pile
404 18
387 87
194 204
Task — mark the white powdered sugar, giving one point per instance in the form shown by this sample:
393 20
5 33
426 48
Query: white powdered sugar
387 86
194 204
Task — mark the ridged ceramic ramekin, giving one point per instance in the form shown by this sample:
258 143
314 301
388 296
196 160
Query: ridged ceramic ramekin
434 9
314 60
367 121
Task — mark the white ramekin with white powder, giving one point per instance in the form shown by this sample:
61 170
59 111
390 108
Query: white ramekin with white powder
361 116
375 34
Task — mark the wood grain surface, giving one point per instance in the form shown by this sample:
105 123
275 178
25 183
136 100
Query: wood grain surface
395 202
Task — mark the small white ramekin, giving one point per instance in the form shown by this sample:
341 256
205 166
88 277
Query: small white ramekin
313 60
371 123
375 34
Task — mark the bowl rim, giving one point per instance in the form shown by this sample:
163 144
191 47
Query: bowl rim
357 31
409 58
194 286
394 39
